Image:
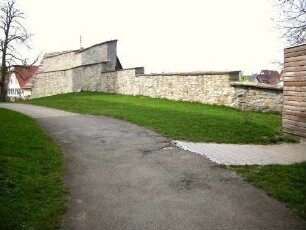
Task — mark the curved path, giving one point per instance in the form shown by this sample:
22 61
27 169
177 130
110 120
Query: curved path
122 176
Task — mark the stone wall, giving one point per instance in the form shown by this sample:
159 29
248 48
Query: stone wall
52 83
73 71
56 62
203 87
94 69
258 97
218 88
103 53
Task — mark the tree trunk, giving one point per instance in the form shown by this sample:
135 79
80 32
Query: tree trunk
3 86
3 62
3 76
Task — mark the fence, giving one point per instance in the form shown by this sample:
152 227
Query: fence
294 108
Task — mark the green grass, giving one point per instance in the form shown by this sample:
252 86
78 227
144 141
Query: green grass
287 183
178 120
32 193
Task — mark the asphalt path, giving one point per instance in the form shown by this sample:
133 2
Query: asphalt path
122 176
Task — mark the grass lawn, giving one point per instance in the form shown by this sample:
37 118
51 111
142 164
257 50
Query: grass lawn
178 120
287 183
32 193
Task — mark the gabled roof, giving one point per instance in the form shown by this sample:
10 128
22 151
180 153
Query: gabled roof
24 75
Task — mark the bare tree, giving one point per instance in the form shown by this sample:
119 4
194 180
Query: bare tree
14 36
293 20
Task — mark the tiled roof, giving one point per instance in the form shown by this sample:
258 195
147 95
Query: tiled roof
25 75
268 76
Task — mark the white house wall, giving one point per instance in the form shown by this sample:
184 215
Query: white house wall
14 89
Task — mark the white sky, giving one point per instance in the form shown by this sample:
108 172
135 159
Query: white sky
162 35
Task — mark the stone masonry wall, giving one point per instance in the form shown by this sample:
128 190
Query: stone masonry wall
218 88
51 83
259 97
81 78
204 87
101 53
73 71
87 78
56 63
93 69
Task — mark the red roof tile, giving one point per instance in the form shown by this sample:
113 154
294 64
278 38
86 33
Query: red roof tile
25 75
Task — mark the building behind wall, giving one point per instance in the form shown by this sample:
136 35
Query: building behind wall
20 82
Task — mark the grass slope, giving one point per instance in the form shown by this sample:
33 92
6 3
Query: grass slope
31 165
286 183
178 120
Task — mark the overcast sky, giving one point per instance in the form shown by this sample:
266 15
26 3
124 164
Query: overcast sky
162 35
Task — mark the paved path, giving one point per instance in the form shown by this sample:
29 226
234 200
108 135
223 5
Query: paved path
122 176
231 154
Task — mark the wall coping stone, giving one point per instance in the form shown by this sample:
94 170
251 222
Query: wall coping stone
78 50
194 73
59 53
256 85
290 47
102 43
139 70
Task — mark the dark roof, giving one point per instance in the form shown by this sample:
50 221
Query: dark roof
24 75
118 64
268 76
